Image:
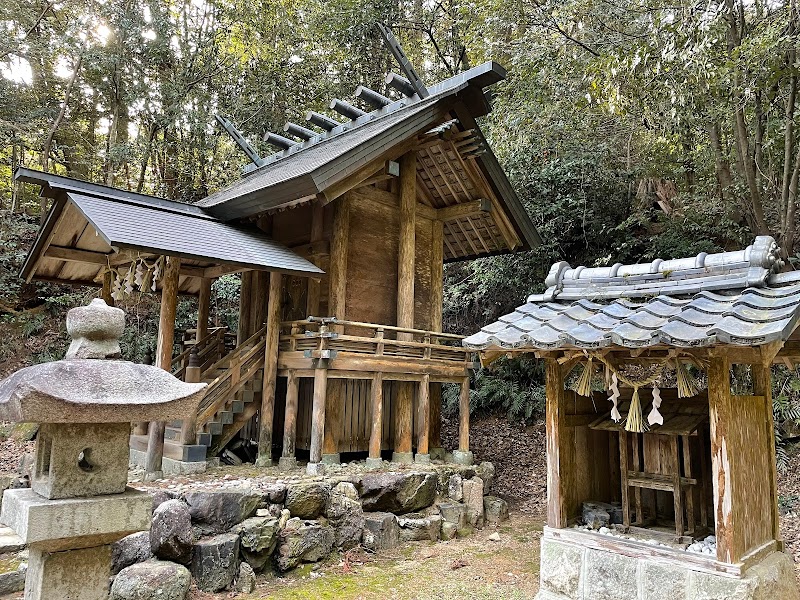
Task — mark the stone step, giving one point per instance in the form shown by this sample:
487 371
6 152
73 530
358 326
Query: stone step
236 406
214 427
225 416
10 541
204 438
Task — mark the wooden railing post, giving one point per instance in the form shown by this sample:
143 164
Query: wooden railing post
288 459
189 425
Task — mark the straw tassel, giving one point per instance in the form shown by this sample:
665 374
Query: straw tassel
584 383
634 422
687 386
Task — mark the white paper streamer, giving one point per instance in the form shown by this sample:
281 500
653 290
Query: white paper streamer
655 416
615 416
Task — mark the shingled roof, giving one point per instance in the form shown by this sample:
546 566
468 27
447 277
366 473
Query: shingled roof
736 298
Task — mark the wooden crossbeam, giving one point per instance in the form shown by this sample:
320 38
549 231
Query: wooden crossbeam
464 209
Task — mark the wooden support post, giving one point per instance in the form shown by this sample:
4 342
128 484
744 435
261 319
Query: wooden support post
404 422
762 386
464 455
437 291
423 452
557 486
259 296
288 458
338 264
318 414
245 306
203 307
407 243
314 285
166 337
108 280
189 425
270 382
376 433
722 459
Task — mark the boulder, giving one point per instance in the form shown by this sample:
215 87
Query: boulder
495 510
596 514
130 550
171 532
346 515
449 530
454 488
454 513
303 541
161 496
307 500
246 580
473 500
215 562
416 527
258 537
219 510
151 579
398 493
274 493
486 472
380 531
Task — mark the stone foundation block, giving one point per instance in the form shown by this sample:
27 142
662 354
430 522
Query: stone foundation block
215 562
560 570
662 582
75 522
381 531
74 574
455 513
612 576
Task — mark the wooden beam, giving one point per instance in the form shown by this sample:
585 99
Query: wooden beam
340 245
437 301
245 307
290 416
318 413
464 209
407 243
377 196
314 285
166 338
203 308
376 400
557 512
270 381
75 255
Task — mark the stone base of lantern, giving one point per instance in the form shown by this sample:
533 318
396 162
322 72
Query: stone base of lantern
576 569
170 466
81 574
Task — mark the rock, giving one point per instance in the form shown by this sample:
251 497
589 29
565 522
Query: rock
258 537
307 500
171 532
130 550
346 516
596 514
303 541
246 580
486 472
219 510
495 537
380 531
416 527
274 493
454 488
473 499
151 579
161 496
24 432
495 509
398 493
215 562
284 518
449 530
455 513
12 574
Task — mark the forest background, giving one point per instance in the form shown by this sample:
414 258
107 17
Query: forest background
631 129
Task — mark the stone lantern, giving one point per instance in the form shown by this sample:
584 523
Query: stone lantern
79 502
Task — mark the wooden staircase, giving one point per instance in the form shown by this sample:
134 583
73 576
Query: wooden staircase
233 396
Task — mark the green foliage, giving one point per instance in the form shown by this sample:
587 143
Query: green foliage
514 387
785 408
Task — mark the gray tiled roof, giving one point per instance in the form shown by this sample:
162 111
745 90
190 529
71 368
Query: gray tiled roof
727 298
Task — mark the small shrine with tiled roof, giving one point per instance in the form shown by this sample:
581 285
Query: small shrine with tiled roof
661 477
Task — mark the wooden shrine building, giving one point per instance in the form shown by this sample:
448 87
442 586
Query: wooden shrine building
661 474
340 239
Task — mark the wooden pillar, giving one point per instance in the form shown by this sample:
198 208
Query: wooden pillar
318 413
260 294
108 280
463 416
437 300
557 511
245 306
203 307
189 425
340 243
762 386
720 414
270 370
407 247
288 459
376 433
166 337
314 285
423 439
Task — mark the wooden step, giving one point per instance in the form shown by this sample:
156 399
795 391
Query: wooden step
204 438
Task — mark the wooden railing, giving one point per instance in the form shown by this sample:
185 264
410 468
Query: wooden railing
239 367
209 350
307 336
